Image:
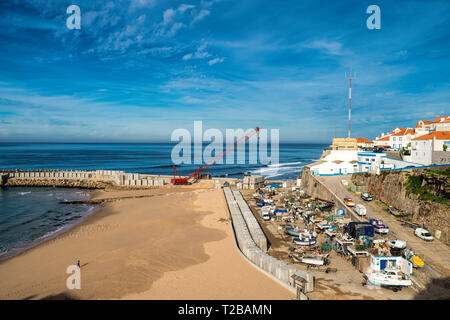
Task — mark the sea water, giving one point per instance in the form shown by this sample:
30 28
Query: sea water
31 215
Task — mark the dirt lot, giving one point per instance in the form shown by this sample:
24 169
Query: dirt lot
345 284
433 279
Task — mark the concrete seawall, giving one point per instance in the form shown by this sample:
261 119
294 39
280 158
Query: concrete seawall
252 251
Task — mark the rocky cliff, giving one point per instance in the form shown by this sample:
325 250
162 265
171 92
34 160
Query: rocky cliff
422 193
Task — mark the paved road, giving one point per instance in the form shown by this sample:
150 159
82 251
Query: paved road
435 255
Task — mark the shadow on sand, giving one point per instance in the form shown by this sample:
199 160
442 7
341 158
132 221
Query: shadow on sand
60 296
437 289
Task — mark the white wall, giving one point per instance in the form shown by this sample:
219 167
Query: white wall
421 151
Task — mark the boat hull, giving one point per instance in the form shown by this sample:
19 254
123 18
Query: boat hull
402 283
304 242
383 230
380 280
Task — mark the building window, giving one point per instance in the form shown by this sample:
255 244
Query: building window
400 145
393 138
393 146
399 138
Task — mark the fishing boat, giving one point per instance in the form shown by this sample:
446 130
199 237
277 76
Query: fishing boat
413 258
304 239
317 260
295 232
396 212
379 226
388 278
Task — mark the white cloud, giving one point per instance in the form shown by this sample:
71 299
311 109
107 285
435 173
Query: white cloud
331 47
203 13
183 7
215 60
168 16
200 53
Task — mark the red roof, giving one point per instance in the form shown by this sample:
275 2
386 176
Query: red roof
438 135
445 119
363 140
425 122
385 138
404 132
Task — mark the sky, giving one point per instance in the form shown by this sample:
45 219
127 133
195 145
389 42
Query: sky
137 70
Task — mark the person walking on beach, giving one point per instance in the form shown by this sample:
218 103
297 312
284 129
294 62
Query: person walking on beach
78 264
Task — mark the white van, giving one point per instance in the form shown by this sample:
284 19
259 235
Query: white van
360 210
423 234
265 213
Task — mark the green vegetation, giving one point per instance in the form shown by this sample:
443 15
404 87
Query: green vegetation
445 172
405 151
414 185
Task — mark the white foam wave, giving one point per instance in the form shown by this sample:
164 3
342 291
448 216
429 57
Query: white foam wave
270 172
283 164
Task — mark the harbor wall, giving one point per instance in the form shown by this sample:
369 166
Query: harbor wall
276 269
91 179
79 178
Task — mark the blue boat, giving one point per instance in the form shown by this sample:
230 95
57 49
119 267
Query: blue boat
304 239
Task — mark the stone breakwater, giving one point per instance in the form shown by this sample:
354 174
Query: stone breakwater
98 179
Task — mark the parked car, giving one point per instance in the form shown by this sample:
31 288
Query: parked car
423 234
349 202
366 196
400 244
344 182
360 210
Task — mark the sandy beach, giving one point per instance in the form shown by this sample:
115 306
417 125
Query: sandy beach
168 243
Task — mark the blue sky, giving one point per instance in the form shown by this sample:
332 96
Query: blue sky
137 70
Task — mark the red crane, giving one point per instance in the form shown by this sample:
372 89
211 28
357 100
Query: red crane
185 180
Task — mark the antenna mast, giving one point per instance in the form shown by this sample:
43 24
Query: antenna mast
349 103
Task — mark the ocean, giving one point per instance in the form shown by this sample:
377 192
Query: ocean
29 216
151 158
32 215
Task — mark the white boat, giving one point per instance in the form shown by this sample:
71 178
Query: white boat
379 226
317 260
304 239
388 278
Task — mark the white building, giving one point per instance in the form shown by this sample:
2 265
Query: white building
401 137
431 148
337 162
438 124
340 162
382 141
364 143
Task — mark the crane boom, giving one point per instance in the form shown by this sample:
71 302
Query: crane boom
205 166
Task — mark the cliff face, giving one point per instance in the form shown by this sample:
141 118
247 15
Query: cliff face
423 193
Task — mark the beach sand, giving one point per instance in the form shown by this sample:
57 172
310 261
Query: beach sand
168 243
